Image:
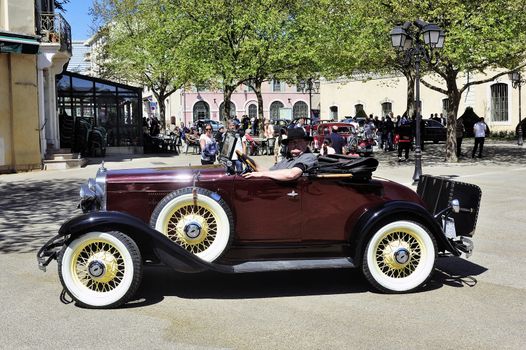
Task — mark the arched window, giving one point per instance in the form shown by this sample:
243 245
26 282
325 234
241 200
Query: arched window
300 110
274 109
333 112
252 111
357 108
222 110
387 107
201 111
499 102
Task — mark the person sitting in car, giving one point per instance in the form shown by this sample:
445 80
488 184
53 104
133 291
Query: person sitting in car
298 160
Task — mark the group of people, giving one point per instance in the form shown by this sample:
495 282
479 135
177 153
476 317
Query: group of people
291 152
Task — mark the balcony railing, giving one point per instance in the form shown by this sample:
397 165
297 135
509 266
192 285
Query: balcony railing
55 29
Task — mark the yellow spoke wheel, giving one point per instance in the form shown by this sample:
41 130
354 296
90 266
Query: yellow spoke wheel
100 269
399 257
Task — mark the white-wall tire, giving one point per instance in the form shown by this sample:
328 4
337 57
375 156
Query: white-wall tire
399 257
179 218
114 255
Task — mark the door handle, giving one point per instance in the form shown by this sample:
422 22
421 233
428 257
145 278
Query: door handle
292 194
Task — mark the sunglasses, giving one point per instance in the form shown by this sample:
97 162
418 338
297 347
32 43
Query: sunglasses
208 129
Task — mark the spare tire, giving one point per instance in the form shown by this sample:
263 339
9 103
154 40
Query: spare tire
204 228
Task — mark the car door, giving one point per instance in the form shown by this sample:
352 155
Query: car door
328 204
267 210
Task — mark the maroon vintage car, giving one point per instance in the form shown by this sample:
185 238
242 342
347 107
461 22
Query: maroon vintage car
210 218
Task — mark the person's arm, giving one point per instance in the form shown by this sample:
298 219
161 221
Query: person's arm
202 142
281 175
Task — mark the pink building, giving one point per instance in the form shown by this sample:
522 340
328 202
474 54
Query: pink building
280 101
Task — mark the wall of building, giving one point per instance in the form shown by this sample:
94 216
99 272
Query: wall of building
346 93
20 16
19 128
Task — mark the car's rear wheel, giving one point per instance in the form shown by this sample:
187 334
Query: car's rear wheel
100 269
399 257
199 222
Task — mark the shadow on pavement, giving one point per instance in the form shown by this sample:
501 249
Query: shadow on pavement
494 152
32 212
159 282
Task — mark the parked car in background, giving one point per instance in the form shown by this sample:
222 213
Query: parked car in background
433 131
278 124
201 218
214 123
323 130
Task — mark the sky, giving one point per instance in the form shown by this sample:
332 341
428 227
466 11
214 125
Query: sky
78 18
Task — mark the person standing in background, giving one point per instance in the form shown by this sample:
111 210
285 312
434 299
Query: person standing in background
480 129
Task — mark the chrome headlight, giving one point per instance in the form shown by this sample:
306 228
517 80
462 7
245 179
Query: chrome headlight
93 194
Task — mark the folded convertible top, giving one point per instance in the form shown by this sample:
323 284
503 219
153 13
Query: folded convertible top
341 164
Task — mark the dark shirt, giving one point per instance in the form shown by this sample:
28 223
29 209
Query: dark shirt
338 141
305 161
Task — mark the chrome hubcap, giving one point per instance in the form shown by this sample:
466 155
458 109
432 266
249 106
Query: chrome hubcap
96 269
192 230
402 256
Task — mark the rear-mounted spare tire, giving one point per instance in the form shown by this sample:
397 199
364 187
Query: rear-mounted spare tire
200 222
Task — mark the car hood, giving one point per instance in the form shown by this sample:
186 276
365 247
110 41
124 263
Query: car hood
167 174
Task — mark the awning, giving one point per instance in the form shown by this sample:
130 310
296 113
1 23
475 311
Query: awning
18 43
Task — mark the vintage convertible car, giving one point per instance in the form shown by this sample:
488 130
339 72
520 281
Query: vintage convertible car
210 218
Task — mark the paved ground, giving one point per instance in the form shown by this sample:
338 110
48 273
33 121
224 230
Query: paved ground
476 303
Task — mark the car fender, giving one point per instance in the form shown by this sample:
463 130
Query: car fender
370 218
169 253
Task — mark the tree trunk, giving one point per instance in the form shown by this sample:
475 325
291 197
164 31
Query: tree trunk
227 94
161 97
453 96
261 117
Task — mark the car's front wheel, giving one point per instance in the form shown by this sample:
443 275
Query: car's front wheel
100 269
399 257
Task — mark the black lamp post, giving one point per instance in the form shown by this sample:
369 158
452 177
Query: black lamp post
408 40
310 85
518 81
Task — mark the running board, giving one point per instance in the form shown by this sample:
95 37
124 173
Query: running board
283 265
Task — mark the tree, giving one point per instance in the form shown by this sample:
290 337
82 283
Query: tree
247 42
480 36
141 45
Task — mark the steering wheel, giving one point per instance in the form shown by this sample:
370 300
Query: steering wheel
249 163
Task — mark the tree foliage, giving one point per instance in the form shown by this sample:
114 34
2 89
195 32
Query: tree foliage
480 36
141 45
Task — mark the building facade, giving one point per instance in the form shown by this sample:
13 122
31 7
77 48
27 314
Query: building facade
497 101
35 44
280 101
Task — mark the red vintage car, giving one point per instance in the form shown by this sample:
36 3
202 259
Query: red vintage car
323 130
211 218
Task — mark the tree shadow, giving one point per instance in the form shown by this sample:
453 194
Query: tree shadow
495 152
32 212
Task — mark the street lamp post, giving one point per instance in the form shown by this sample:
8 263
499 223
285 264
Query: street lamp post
518 81
310 85
408 40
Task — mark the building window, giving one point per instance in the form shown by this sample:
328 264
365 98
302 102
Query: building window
445 106
499 102
300 110
201 111
274 109
333 112
222 110
252 111
387 107
358 108
276 86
